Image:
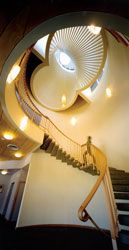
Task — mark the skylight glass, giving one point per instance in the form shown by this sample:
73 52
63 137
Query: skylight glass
65 61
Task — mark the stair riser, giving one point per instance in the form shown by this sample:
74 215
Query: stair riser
123 206
124 238
120 188
123 219
120 182
122 196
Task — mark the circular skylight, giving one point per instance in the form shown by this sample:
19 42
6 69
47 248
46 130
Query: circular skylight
64 61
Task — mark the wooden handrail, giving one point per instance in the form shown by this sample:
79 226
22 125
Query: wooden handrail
101 165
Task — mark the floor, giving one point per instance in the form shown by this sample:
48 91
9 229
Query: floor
64 238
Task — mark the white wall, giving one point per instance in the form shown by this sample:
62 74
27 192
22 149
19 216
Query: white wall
54 191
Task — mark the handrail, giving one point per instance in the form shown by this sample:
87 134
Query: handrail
101 165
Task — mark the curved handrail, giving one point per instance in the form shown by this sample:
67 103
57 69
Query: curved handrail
101 165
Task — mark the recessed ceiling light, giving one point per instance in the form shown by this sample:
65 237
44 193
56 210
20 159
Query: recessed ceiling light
8 136
12 147
73 121
23 123
18 154
63 100
4 172
13 73
94 29
108 92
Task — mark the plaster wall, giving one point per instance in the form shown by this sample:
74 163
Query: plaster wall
54 192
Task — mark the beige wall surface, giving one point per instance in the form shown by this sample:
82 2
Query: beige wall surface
54 191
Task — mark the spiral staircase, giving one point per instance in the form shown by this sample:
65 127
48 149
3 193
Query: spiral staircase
55 142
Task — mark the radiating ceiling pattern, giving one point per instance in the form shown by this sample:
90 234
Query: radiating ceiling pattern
84 48
75 60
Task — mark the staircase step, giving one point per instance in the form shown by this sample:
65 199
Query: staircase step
116 171
59 154
124 237
124 176
46 136
75 163
123 206
64 156
120 182
120 188
70 161
46 144
123 219
54 150
50 147
122 196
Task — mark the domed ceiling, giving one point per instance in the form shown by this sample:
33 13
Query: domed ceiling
73 60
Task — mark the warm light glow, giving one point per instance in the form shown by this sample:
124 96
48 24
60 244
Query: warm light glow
18 154
108 92
13 73
94 29
73 121
8 136
4 171
64 58
63 100
23 123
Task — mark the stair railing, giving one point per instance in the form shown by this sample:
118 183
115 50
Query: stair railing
87 154
99 161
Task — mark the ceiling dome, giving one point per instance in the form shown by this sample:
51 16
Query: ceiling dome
76 57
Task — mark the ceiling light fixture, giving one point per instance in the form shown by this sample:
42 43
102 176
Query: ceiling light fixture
73 121
13 73
108 92
63 100
12 147
8 135
23 123
4 172
94 29
18 155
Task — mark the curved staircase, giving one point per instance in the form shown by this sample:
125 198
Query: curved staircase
120 183
55 150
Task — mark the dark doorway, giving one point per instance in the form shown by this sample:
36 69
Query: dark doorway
8 198
17 201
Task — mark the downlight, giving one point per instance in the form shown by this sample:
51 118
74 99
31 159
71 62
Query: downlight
4 172
12 147
94 29
65 61
13 73
8 136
